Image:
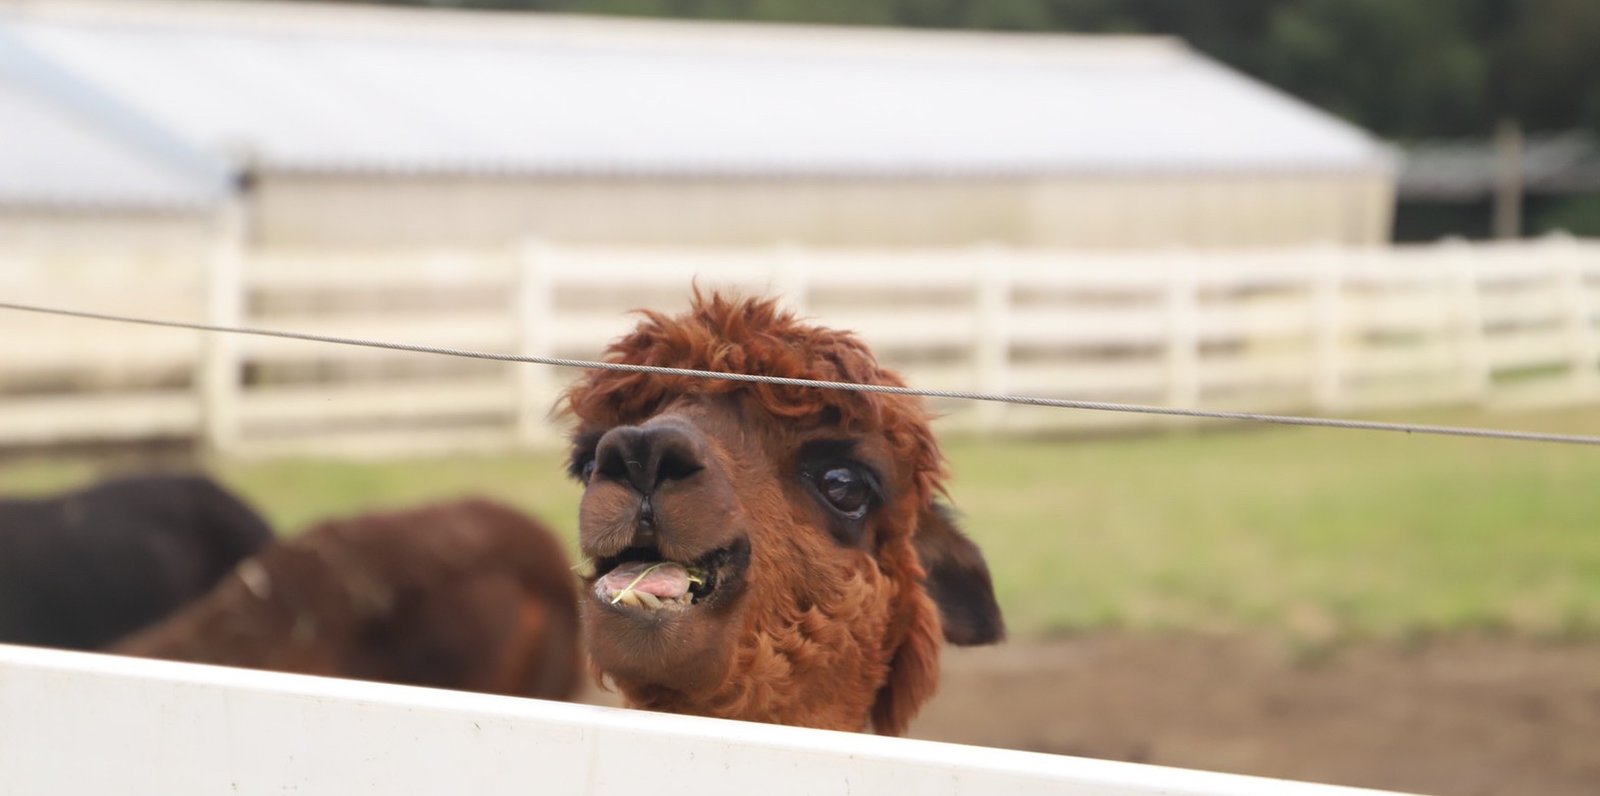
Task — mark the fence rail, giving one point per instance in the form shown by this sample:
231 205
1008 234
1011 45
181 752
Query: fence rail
79 723
1324 329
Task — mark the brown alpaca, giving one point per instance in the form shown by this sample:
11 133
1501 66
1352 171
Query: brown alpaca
763 552
468 595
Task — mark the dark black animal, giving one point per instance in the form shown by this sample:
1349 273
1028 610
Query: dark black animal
84 569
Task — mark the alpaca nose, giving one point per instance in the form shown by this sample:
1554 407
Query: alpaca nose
645 457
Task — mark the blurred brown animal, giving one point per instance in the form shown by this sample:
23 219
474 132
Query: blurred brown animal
469 595
766 552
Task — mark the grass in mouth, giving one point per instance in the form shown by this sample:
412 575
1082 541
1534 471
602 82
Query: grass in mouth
696 578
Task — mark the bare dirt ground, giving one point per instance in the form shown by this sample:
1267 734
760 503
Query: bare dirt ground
1463 716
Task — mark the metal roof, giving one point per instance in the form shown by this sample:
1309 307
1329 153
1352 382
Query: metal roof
314 88
66 147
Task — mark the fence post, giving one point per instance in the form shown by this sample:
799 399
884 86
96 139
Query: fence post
1327 302
1183 333
1470 335
225 294
534 385
791 276
1582 345
992 354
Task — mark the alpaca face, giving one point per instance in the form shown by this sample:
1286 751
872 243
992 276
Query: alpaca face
766 556
735 567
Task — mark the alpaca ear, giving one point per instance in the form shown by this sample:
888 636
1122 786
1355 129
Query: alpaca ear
956 595
957 580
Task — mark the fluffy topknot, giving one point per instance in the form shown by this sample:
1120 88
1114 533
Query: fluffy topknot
745 335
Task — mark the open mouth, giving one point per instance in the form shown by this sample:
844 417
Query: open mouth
640 578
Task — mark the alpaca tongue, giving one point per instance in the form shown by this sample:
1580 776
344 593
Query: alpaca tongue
668 580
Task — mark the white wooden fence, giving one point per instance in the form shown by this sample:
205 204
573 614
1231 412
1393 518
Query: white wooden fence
1332 330
80 723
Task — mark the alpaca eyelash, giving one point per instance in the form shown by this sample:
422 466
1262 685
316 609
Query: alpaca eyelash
831 451
868 476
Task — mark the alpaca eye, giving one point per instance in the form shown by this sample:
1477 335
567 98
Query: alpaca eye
581 467
847 490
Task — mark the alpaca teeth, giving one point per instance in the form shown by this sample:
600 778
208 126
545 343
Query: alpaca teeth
644 599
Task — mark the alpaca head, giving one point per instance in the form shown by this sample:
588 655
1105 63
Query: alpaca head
765 552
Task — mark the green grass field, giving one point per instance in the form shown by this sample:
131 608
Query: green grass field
1317 535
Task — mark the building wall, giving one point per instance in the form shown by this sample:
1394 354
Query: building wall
127 235
1089 212
1212 211
1125 212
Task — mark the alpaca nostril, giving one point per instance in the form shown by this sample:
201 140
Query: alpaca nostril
676 464
613 459
647 456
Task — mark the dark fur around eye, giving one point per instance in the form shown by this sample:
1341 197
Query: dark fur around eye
580 463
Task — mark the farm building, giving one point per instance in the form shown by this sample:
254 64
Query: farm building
99 210
76 169
361 126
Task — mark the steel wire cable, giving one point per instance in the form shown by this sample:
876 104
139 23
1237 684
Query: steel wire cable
962 395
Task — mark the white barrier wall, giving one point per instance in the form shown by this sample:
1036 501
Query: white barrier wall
76 723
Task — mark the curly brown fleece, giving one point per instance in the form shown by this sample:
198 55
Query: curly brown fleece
828 639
